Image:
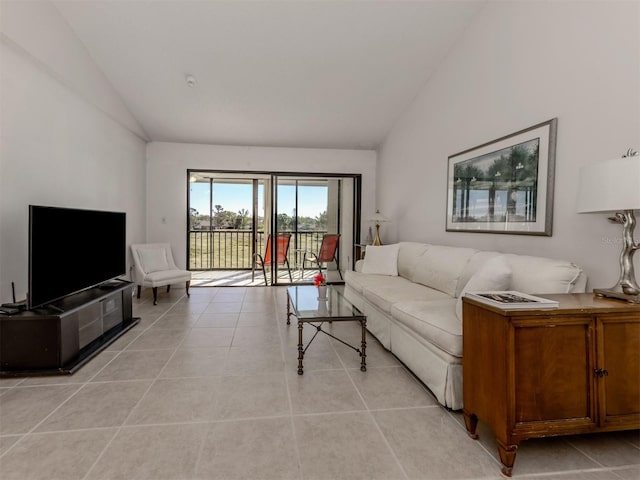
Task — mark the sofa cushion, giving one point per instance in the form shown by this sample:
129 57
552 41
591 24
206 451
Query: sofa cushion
542 275
440 267
359 281
435 321
475 263
381 260
494 275
408 256
384 296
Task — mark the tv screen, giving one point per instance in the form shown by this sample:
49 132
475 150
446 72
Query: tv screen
71 250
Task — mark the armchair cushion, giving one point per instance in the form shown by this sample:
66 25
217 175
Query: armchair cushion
166 277
153 259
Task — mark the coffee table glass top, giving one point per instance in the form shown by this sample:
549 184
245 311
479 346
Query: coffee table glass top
306 305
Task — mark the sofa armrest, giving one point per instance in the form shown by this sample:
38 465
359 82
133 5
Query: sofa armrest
359 265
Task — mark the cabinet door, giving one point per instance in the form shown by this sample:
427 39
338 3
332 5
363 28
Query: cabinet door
619 369
552 369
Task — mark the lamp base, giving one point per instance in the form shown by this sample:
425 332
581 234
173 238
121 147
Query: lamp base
615 293
627 287
376 241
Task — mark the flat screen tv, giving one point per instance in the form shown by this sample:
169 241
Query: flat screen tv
71 250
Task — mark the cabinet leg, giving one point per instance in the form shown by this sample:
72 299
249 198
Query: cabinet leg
507 457
471 422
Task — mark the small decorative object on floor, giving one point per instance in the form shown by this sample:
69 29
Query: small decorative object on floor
320 281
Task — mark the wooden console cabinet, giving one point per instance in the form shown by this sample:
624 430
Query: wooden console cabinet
61 337
570 370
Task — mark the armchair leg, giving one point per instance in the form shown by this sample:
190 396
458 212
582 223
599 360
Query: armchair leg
187 287
289 269
155 295
335 257
139 289
253 267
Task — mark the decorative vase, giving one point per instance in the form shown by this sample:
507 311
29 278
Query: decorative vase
322 292
322 306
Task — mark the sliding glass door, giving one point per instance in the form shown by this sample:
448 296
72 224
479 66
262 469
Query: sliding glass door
232 214
307 208
226 221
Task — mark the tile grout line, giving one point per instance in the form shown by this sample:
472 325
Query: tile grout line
82 385
288 387
371 416
463 428
571 444
211 425
118 429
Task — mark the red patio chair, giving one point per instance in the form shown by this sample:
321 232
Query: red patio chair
327 253
282 249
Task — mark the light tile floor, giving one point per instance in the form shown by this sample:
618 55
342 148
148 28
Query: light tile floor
206 388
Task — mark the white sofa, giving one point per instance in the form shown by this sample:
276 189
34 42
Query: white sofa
414 314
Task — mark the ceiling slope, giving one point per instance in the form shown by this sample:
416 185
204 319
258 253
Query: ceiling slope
321 74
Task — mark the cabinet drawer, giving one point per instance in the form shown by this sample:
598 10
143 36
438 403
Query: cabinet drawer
89 324
111 312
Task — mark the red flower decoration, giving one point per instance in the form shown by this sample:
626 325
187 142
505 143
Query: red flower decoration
319 280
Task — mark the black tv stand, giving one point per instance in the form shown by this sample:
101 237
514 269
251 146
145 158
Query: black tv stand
60 338
114 283
54 308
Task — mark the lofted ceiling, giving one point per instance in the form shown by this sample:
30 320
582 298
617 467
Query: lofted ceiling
320 74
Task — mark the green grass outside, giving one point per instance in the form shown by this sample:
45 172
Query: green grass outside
231 249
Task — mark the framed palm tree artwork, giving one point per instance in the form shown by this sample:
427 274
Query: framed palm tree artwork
506 185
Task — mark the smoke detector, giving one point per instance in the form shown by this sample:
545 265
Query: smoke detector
190 79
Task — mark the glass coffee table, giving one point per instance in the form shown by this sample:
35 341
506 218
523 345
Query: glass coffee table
304 304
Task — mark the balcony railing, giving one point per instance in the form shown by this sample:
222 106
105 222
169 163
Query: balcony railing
231 249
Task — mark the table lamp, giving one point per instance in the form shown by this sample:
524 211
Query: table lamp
614 186
378 218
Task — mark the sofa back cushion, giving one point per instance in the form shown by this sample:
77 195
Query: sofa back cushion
494 275
542 275
408 257
476 262
441 267
381 260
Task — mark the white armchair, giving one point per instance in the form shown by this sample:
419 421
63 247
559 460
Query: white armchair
154 267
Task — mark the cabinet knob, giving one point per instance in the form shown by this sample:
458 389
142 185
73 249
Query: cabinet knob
600 372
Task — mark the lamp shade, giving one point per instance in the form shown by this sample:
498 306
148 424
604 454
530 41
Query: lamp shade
610 186
378 218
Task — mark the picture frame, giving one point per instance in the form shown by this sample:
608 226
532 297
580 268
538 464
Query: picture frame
506 185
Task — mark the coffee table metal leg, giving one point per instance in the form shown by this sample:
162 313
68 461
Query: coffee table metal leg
300 350
363 363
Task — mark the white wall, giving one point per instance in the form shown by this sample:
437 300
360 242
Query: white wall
58 147
167 178
519 64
